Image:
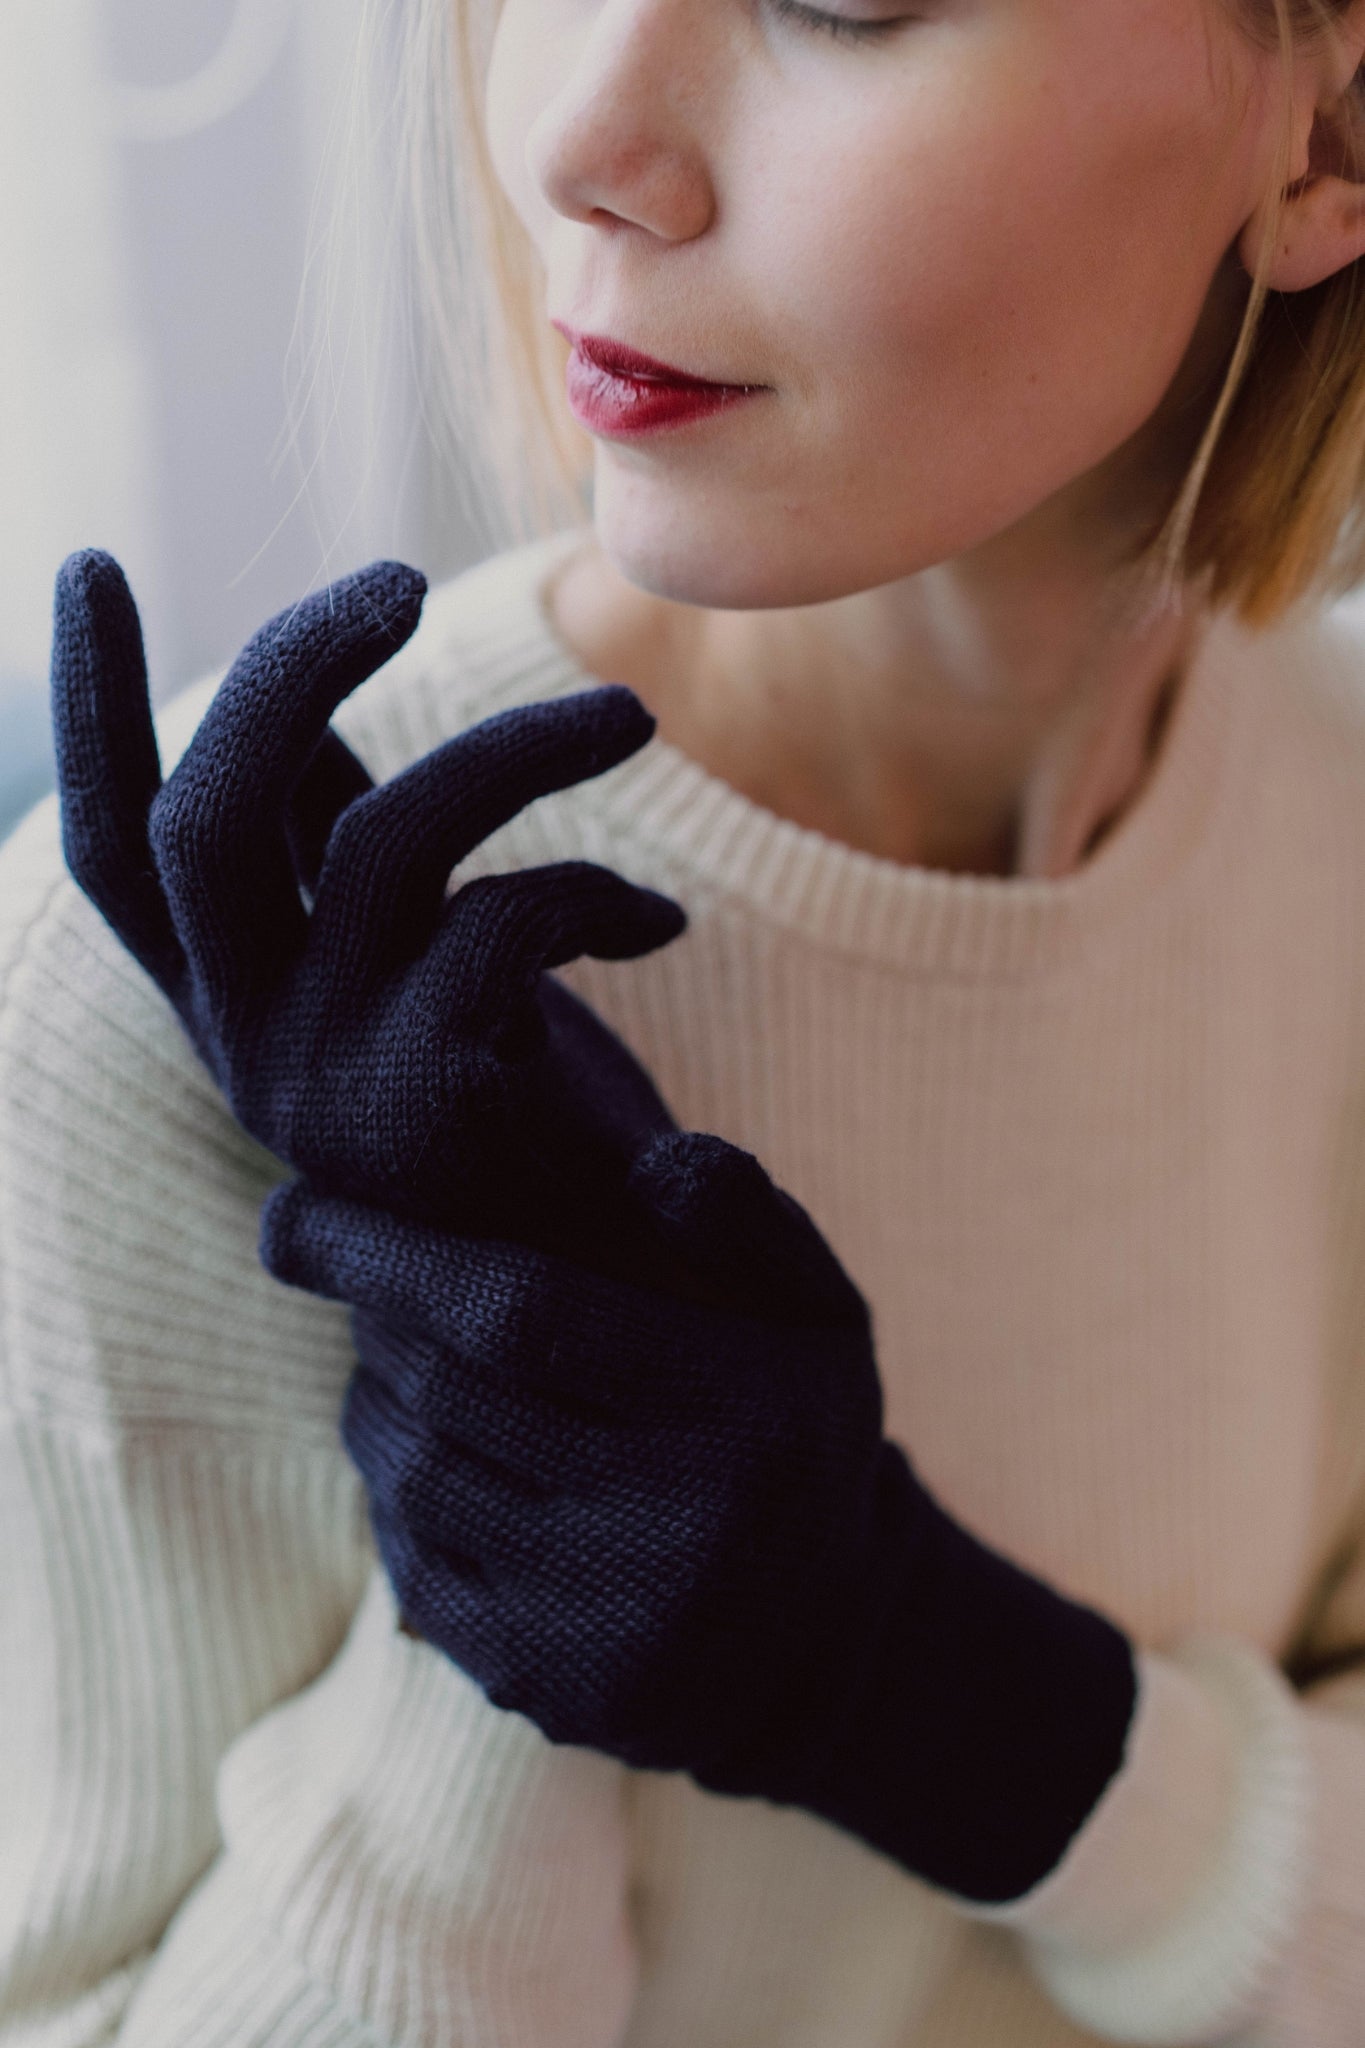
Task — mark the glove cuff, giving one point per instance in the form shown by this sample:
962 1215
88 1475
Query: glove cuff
978 1713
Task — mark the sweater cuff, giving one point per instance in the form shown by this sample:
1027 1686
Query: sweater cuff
1168 1915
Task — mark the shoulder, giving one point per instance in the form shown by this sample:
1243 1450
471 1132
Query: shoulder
1301 791
1311 675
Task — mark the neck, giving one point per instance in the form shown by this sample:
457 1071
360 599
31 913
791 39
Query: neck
977 717
996 728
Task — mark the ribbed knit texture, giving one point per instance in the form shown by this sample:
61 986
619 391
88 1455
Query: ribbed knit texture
1095 1152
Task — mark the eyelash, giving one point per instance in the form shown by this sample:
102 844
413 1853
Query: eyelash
830 24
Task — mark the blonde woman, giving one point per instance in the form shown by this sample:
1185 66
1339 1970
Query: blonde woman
971 408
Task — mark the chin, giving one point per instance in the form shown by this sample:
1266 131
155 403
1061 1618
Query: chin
671 551
686 544
696 559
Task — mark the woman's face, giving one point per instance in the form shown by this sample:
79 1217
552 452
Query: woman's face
968 255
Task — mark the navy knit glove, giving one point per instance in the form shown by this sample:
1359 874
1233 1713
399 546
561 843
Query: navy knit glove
386 1040
659 1518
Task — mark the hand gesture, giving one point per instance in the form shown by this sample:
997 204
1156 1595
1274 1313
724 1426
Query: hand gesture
657 1515
375 1034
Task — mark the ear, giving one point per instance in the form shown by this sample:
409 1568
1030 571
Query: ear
1322 226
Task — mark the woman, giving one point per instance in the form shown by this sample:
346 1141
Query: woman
1016 819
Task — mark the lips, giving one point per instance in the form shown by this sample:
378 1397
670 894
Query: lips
617 360
615 390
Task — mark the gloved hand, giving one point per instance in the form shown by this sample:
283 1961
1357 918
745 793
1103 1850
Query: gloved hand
388 1041
658 1516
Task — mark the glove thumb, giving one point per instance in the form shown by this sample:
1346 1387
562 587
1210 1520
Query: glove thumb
717 1209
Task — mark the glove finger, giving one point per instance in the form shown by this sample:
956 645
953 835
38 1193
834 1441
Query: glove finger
441 1483
721 1212
383 886
541 1440
446 1597
512 1314
599 1070
108 766
333 780
500 932
218 827
442 1592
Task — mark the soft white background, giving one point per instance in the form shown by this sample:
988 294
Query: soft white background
168 169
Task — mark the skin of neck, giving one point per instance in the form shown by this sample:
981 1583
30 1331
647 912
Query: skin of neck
980 736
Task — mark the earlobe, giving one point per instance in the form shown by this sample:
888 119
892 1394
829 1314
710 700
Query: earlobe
1321 232
1322 222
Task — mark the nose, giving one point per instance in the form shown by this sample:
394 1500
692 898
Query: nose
624 139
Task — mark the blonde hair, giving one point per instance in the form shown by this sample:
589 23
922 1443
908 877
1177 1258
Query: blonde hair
1271 511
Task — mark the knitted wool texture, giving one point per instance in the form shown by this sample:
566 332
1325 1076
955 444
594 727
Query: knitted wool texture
378 1037
645 1500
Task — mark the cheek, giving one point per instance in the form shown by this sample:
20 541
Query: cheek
1015 270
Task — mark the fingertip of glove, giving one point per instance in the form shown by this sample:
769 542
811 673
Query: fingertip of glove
722 1207
613 717
91 580
98 678
397 591
657 921
579 735
686 1171
400 579
668 908
382 601
84 564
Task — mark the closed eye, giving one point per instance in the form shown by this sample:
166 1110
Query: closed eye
837 25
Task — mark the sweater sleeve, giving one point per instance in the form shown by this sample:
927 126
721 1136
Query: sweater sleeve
401 1863
1217 1892
236 1807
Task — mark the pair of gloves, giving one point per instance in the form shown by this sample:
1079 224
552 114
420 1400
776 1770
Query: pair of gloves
616 1407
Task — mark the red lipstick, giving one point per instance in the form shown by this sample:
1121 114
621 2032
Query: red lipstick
616 390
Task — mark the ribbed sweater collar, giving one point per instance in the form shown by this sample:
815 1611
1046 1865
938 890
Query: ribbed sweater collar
915 920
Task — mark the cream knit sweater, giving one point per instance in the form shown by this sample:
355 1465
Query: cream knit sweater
1095 1151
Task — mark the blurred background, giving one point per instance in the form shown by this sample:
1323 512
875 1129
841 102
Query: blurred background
169 171
206 343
